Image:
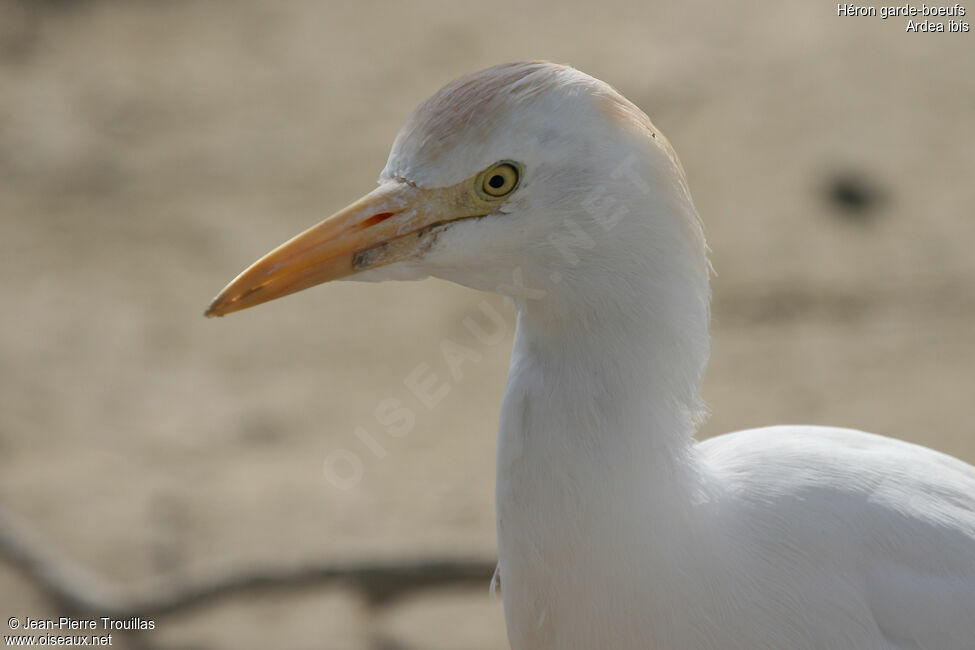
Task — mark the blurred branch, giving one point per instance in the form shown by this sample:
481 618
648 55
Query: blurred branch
83 592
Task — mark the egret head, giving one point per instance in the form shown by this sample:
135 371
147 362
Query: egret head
529 166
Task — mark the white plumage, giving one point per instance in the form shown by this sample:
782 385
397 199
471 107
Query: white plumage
615 529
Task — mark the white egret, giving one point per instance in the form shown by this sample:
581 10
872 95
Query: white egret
615 529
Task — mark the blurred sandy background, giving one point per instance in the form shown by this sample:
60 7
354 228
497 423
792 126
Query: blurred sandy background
150 150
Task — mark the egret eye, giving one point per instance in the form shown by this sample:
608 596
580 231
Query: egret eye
499 180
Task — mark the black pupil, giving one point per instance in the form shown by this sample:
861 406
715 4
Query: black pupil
496 181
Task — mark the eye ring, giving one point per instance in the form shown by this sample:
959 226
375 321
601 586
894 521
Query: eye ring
499 180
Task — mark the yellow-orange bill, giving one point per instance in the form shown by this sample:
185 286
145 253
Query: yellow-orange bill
369 233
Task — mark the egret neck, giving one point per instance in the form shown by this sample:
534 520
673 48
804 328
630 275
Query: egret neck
595 439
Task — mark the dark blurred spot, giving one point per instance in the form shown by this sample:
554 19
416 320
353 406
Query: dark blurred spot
19 28
260 429
21 23
854 197
385 643
55 4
